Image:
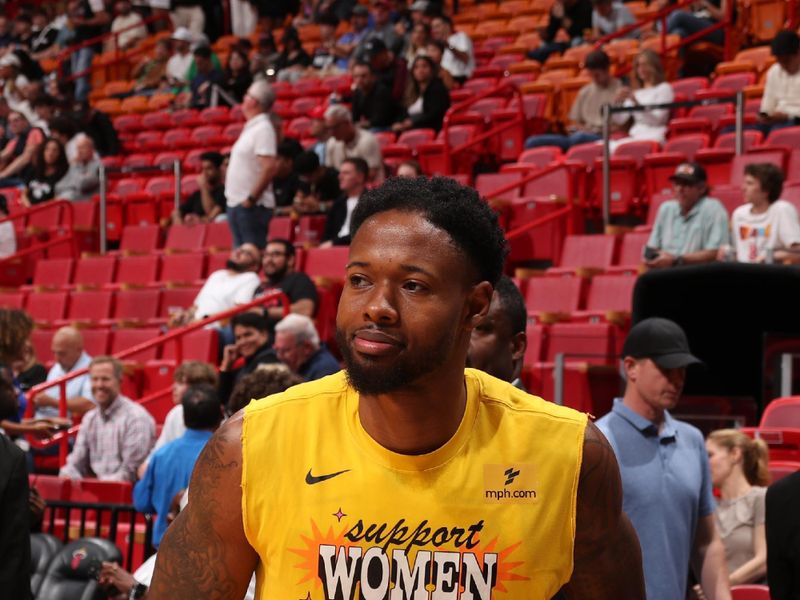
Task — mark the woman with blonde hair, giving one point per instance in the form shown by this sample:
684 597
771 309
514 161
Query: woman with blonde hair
648 86
739 469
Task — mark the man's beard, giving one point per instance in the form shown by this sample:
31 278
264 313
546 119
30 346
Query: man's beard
277 276
232 265
368 376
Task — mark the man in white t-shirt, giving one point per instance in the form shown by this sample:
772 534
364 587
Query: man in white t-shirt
458 58
252 166
350 141
127 20
181 59
70 356
765 229
780 104
226 288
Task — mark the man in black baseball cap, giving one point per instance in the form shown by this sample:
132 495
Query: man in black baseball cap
389 70
691 228
666 482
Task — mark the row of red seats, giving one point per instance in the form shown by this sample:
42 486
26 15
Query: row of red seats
780 429
163 120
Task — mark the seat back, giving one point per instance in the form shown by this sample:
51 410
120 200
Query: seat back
588 251
90 305
138 305
782 412
611 293
327 262
53 272
140 239
185 237
553 294
630 251
47 306
95 270
43 548
137 270
72 573
583 342
750 592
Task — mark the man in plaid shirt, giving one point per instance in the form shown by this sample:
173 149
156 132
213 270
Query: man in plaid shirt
114 438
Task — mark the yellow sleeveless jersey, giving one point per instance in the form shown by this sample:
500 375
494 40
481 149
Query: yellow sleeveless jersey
334 515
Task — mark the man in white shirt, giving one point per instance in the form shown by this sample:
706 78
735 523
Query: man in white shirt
126 20
349 141
70 356
181 59
226 288
252 166
458 58
352 181
780 104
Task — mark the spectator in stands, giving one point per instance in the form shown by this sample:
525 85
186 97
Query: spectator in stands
780 104
225 288
20 150
206 77
237 77
417 42
458 57
372 103
264 57
281 275
286 180
648 86
783 528
28 371
243 17
765 229
45 34
170 467
498 343
319 131
6 36
388 69
574 17
642 433
323 181
426 99
114 437
44 109
739 470
48 168
353 180
409 168
382 27
298 347
181 59
207 203
14 84
349 41
609 16
151 72
82 180
69 355
293 59
435 49
88 18
189 373
264 381
699 16
690 229
23 30
586 122
248 182
98 126
8 237
129 21
65 130
349 141
189 14
324 58
251 348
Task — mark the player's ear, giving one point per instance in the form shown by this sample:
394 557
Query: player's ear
480 297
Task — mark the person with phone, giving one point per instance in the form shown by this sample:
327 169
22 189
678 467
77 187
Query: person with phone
780 104
690 229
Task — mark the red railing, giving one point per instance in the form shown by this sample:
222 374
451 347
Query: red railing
661 15
66 224
61 438
518 121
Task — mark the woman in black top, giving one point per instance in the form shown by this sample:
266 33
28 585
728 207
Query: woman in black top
48 167
293 56
252 348
237 74
426 99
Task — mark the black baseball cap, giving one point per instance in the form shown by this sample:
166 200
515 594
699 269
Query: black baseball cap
661 340
374 47
689 172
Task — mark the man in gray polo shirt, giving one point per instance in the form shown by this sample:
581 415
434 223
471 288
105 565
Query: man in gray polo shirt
690 229
666 483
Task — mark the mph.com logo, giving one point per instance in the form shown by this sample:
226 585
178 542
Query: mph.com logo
509 484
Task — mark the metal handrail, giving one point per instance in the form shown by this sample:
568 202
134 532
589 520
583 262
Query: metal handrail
68 226
61 438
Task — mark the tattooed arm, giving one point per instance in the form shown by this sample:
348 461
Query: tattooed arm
204 553
608 561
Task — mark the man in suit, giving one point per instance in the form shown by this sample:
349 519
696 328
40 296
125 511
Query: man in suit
783 538
353 176
498 344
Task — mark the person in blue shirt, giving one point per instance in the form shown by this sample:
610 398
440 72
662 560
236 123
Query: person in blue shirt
170 467
666 480
298 347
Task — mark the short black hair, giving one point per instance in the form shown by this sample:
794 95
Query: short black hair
43 100
306 163
288 247
201 407
360 164
289 148
213 157
3 205
785 43
63 125
250 319
769 176
513 303
445 18
597 59
455 209
202 52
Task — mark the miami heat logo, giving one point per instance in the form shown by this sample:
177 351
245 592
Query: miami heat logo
77 558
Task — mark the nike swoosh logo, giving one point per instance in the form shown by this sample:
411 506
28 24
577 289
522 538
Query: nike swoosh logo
311 479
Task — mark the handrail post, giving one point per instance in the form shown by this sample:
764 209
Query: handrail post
103 207
558 376
63 443
176 171
605 111
739 122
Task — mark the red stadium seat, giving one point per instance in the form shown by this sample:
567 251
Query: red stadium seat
142 159
185 238
689 125
778 469
201 344
687 144
167 159
625 187
96 341
541 243
585 153
487 184
53 273
658 168
47 306
788 136
779 428
610 297
182 268
125 338
156 120
140 239
586 252
487 106
717 163
712 112
733 82
534 352
552 298
219 115
12 299
752 138
94 271
186 117
750 592
178 137
689 86
541 157
207 135
281 228
218 236
630 252
637 150
310 229
136 270
89 306
775 156
587 342
175 299
138 306
328 263
414 137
